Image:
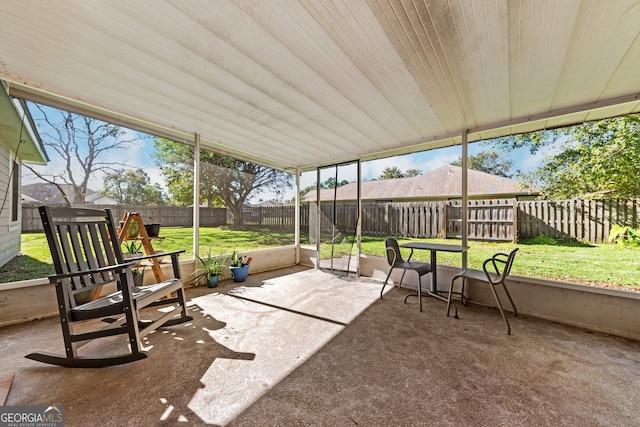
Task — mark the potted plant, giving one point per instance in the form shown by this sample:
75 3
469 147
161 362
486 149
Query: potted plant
239 267
153 228
133 230
138 276
132 249
211 270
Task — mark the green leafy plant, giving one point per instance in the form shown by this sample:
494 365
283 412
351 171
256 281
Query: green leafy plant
137 271
623 235
544 240
210 266
132 246
237 260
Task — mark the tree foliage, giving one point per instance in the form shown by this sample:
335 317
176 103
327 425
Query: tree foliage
489 161
412 172
328 183
132 187
600 158
81 145
393 172
176 164
223 179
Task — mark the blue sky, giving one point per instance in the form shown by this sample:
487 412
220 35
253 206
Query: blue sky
139 155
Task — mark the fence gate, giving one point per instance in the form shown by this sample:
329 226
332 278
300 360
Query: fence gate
493 219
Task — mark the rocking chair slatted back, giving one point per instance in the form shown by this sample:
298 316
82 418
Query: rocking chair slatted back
85 243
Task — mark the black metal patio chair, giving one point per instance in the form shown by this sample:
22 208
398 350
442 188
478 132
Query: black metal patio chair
395 260
500 269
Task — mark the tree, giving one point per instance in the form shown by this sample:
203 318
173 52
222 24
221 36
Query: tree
332 183
394 172
412 172
83 145
328 183
222 178
600 157
132 188
391 173
176 164
489 162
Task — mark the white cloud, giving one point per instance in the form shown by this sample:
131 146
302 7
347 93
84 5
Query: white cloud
155 176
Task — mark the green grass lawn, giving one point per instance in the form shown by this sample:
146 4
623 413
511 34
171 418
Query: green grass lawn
602 265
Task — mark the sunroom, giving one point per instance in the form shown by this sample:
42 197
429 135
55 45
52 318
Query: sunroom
305 85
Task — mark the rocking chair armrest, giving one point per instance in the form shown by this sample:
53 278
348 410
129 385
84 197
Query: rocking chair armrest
156 255
115 267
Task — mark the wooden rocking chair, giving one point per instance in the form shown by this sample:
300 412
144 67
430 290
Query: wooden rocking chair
87 256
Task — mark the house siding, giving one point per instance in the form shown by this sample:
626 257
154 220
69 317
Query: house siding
9 230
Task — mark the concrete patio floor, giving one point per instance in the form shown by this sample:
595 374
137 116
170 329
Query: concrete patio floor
302 347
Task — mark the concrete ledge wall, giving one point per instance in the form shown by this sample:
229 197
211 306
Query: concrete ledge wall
603 310
26 300
36 299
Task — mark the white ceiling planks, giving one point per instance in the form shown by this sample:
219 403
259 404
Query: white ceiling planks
297 84
363 43
538 49
604 33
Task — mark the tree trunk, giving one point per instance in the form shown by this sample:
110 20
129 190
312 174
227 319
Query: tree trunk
237 214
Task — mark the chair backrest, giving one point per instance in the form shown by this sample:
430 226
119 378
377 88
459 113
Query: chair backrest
509 263
81 240
505 260
393 252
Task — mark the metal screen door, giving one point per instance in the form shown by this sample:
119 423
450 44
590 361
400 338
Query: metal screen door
337 219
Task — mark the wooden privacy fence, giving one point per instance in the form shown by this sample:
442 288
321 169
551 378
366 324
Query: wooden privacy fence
269 216
168 216
581 219
417 219
489 219
494 219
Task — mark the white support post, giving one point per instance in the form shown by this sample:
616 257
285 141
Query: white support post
296 221
465 202
318 218
359 223
196 194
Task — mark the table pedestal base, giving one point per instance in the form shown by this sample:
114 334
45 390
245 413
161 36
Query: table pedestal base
419 293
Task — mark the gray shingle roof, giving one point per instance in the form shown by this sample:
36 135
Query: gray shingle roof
442 183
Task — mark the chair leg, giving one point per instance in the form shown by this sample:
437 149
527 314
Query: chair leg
506 291
184 317
385 282
495 295
401 279
450 302
419 290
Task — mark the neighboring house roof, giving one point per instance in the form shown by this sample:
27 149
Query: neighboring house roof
18 126
268 203
442 183
27 199
49 194
99 199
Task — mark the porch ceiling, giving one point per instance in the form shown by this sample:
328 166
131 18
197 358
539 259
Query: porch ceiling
297 84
